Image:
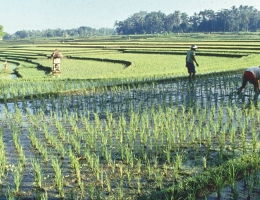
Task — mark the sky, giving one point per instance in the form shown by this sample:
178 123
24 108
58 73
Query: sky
40 15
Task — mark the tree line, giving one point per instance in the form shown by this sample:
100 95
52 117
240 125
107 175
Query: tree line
82 31
242 18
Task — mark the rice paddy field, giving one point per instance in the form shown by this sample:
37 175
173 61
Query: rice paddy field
122 121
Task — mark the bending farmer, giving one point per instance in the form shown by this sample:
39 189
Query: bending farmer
251 75
190 59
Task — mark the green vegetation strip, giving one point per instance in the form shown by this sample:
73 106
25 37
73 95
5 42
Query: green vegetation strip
203 184
223 54
127 63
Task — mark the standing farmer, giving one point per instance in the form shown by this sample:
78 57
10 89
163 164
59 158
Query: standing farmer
190 59
5 65
251 75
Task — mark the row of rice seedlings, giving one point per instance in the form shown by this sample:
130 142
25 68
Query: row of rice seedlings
58 176
250 180
95 165
38 88
121 101
17 144
2 156
44 152
123 137
38 172
18 176
61 148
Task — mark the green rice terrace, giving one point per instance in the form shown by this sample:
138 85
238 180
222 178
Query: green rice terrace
122 121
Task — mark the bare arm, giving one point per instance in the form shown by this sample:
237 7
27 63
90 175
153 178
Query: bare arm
194 59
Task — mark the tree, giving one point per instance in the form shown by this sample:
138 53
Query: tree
1 31
136 22
21 34
8 36
195 21
223 20
169 22
254 19
154 22
235 19
184 23
207 18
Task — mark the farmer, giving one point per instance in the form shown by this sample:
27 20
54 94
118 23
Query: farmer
251 75
190 59
5 65
56 55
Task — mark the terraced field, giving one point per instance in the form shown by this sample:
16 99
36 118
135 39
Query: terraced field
122 121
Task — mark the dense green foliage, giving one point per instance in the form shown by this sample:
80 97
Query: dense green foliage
82 31
1 31
242 18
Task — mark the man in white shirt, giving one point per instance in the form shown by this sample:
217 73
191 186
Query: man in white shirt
190 59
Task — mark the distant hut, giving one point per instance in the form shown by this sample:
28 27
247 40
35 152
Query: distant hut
56 56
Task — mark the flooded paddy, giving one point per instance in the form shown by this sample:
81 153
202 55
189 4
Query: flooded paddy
124 142
9 72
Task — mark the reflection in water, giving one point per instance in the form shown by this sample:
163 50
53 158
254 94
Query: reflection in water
7 76
8 73
219 91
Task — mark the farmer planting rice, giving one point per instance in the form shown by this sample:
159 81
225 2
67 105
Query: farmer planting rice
190 59
251 75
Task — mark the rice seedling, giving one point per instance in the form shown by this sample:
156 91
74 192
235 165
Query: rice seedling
91 191
108 183
149 170
17 179
58 176
10 194
121 166
139 189
219 184
158 179
2 157
250 185
38 172
178 161
232 174
120 190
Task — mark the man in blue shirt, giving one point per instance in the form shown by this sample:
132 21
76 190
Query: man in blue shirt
190 59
